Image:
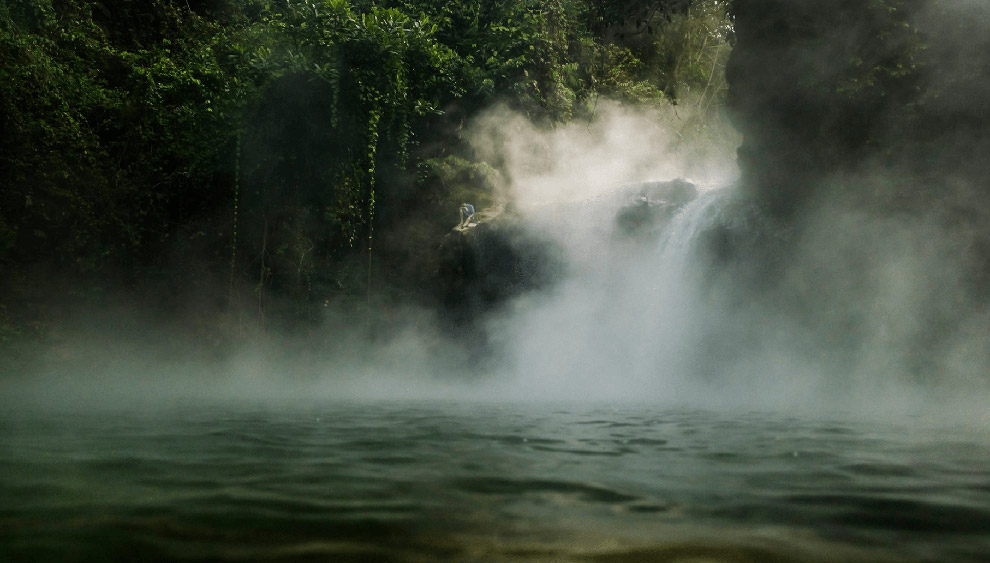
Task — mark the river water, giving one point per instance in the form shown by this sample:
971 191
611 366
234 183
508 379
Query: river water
443 481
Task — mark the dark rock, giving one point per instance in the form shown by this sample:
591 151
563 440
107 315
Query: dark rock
486 263
652 205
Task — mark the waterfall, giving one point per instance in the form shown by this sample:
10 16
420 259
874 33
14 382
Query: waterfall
625 321
678 240
713 300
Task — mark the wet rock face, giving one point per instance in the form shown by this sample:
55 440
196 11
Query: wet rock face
790 60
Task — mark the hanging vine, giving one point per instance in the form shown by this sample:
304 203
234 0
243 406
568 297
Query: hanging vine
373 119
233 234
367 73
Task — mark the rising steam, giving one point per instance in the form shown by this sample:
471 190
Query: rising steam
585 159
648 319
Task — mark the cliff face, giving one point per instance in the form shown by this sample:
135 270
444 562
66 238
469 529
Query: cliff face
826 90
866 135
783 72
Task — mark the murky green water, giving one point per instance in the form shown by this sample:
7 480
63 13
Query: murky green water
448 482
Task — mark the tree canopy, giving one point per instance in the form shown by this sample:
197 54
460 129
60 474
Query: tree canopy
249 151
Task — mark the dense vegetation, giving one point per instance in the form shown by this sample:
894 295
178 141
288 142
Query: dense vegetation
243 163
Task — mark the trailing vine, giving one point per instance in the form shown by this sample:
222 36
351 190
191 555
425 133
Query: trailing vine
374 119
233 236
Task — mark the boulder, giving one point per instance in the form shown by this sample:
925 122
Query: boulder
651 205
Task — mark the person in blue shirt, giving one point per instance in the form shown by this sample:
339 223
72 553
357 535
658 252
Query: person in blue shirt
467 213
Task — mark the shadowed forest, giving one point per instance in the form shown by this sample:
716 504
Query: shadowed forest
238 167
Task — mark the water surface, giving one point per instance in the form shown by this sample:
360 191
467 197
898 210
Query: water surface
389 481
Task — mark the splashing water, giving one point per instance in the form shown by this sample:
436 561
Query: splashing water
629 309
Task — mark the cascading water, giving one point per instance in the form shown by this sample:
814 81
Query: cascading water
626 320
712 300
678 240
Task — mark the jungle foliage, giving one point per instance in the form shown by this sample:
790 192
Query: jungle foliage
252 153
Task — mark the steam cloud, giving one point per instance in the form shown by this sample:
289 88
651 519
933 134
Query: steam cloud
844 315
585 159
864 311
